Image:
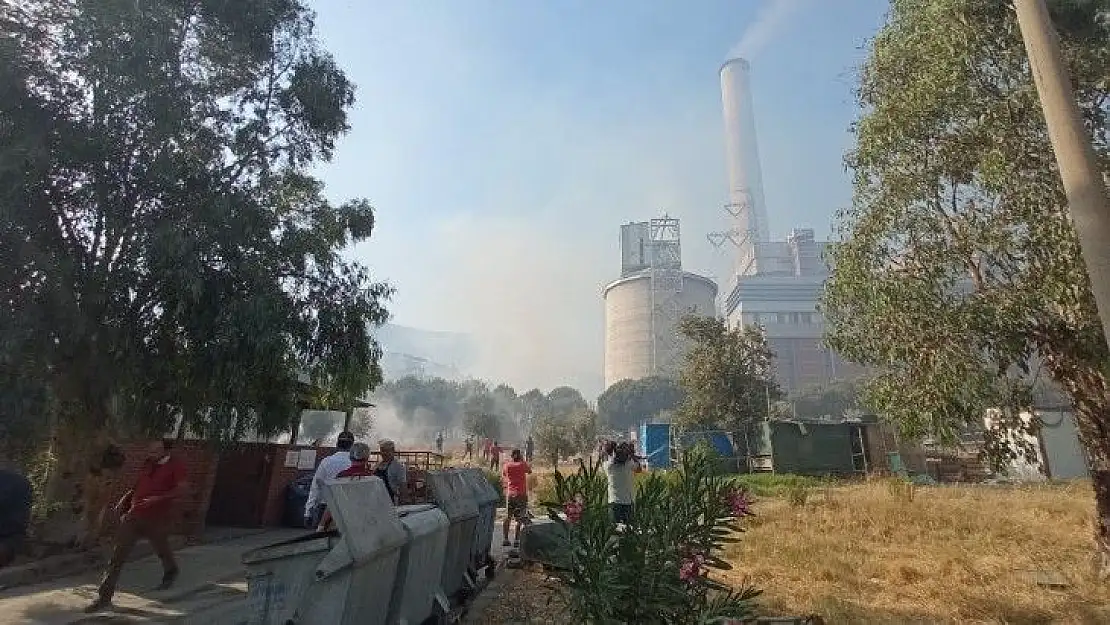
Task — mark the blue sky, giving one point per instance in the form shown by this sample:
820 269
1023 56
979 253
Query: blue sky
504 142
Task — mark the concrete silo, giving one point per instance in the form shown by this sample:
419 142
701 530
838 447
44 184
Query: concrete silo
643 307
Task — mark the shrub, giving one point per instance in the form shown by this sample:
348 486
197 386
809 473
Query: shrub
655 572
541 487
494 479
774 484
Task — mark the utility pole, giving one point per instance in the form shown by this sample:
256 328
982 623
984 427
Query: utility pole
1075 155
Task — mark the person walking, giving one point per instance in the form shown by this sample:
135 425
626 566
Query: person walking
514 475
439 442
620 466
15 514
468 449
529 449
494 456
328 469
145 513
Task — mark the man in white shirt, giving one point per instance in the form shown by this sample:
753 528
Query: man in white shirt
327 470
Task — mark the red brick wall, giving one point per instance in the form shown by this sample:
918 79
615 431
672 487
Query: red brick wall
200 467
280 476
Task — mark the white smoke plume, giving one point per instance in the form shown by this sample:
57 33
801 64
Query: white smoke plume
769 23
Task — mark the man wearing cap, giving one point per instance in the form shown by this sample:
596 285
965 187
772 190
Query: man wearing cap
328 469
391 470
360 467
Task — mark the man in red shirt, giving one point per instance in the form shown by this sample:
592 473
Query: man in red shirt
514 475
145 513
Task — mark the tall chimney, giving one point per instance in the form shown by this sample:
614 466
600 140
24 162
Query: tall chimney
745 180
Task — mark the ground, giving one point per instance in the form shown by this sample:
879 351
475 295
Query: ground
876 553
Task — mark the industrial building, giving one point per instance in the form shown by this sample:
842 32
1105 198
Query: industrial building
775 284
643 306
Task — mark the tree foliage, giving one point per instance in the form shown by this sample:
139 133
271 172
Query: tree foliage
627 403
482 424
834 398
554 439
959 273
727 376
165 246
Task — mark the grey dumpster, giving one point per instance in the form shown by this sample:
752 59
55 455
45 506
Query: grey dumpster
419 583
485 495
453 496
340 578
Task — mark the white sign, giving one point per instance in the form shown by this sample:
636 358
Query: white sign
292 458
307 459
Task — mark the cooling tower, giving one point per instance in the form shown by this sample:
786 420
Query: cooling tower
639 336
745 179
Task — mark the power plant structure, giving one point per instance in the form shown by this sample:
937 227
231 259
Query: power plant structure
643 307
775 284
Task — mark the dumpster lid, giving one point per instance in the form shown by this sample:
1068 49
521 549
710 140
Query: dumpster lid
453 495
364 516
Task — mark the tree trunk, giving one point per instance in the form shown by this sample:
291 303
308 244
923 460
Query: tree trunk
1100 478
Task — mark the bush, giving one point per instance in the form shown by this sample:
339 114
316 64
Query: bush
775 484
541 487
494 479
655 572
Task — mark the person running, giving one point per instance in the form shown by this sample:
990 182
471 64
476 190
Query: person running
529 449
620 467
360 468
327 469
494 456
515 477
145 513
15 514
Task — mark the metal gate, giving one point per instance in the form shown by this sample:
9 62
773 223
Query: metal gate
242 482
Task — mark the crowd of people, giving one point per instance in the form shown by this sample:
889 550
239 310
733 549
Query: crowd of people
352 460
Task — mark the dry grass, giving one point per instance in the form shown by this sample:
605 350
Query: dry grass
872 553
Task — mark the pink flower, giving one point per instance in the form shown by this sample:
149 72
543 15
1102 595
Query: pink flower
691 568
739 503
573 510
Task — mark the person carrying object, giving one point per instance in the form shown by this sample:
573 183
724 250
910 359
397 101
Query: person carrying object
146 512
620 468
328 469
360 468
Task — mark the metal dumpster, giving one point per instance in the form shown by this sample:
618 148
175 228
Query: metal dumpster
485 495
453 496
340 578
419 584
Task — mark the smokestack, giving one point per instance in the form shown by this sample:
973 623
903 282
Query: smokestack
745 179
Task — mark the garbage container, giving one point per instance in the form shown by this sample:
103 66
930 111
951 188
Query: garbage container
296 496
454 498
340 578
485 495
419 584
544 541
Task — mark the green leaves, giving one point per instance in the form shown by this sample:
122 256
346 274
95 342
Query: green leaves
646 573
727 376
171 254
958 275
627 403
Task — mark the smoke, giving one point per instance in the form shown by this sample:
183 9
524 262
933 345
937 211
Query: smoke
385 422
769 23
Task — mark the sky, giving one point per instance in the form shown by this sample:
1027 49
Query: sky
504 142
